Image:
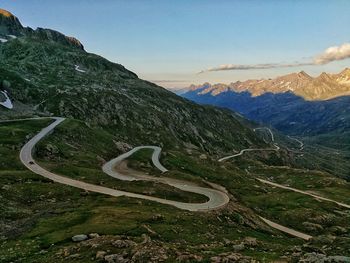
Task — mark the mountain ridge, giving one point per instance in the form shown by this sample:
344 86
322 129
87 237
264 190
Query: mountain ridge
323 87
108 111
52 77
11 27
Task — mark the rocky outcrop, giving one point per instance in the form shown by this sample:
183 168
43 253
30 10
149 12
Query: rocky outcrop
11 27
55 36
10 24
321 258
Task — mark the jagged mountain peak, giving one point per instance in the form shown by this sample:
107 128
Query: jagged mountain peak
343 77
10 27
9 24
346 71
324 77
323 87
304 75
6 13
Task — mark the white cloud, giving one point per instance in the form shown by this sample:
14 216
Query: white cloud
333 53
254 66
330 54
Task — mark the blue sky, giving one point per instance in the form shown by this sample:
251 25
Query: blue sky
171 41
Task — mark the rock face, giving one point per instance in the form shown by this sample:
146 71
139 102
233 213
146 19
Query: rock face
323 87
9 24
11 27
295 103
55 36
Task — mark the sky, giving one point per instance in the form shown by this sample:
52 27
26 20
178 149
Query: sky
169 42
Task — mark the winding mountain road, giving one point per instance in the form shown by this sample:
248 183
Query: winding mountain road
302 192
270 223
301 144
279 185
217 198
254 149
268 129
287 230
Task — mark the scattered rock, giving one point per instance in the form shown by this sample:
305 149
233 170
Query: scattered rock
100 254
74 256
6 187
312 227
203 157
338 230
150 253
150 230
51 149
250 242
158 217
238 248
188 257
323 239
79 238
230 257
116 258
146 239
123 146
93 235
321 258
227 242
123 243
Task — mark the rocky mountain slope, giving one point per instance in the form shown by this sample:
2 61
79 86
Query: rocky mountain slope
324 87
286 111
45 72
322 123
294 103
109 110
11 28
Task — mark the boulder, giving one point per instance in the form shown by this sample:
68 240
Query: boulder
100 254
203 157
79 238
237 248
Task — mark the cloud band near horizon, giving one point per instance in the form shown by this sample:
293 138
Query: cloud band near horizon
331 54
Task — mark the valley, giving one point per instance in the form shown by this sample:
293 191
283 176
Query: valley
321 123
128 171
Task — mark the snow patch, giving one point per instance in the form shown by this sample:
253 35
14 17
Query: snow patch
78 69
12 36
7 103
3 40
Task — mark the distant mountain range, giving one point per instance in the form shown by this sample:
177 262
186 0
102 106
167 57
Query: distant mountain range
325 86
109 110
296 103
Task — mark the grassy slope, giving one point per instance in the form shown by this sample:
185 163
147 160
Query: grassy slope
39 213
111 96
288 208
212 131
